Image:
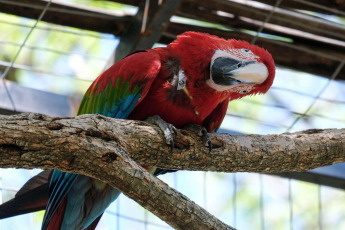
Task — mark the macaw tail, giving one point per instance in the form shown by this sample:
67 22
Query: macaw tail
56 221
94 223
76 202
32 197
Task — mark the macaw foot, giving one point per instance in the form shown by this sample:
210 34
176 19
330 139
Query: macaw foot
202 132
167 129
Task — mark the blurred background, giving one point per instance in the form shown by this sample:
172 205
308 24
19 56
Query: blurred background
51 51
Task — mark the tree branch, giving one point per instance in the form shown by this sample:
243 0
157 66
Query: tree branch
98 146
45 138
87 145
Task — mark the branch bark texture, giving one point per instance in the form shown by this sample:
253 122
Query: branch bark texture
101 147
81 146
43 139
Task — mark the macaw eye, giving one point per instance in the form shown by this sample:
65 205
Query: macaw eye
246 51
244 91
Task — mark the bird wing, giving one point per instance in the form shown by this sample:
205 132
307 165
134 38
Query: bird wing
113 94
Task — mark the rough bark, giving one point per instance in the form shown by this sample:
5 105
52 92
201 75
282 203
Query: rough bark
43 141
98 146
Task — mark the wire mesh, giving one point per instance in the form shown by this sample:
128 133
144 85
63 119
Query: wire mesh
251 115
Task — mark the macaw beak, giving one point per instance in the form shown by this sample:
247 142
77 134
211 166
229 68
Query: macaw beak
227 71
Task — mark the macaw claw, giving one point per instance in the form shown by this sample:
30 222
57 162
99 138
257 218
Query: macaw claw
206 139
202 132
167 128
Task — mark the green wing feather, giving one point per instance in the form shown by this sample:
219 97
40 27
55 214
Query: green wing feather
116 91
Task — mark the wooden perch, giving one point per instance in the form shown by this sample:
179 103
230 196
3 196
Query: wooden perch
99 147
85 146
67 141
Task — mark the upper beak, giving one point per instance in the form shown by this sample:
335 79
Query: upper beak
227 71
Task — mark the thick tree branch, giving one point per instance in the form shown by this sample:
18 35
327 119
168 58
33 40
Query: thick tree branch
98 146
86 145
35 136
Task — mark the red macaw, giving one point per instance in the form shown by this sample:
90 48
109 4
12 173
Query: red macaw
190 81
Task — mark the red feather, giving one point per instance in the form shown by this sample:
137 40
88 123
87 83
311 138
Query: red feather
56 220
194 52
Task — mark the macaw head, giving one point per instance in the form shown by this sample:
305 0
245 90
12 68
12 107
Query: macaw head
231 67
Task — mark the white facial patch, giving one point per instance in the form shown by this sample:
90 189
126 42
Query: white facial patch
237 54
240 88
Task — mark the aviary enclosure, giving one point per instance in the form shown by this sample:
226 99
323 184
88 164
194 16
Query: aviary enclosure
51 51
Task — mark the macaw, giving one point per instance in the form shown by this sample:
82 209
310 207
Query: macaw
191 81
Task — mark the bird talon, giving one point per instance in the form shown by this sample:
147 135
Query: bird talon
173 129
167 129
209 143
171 146
202 132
